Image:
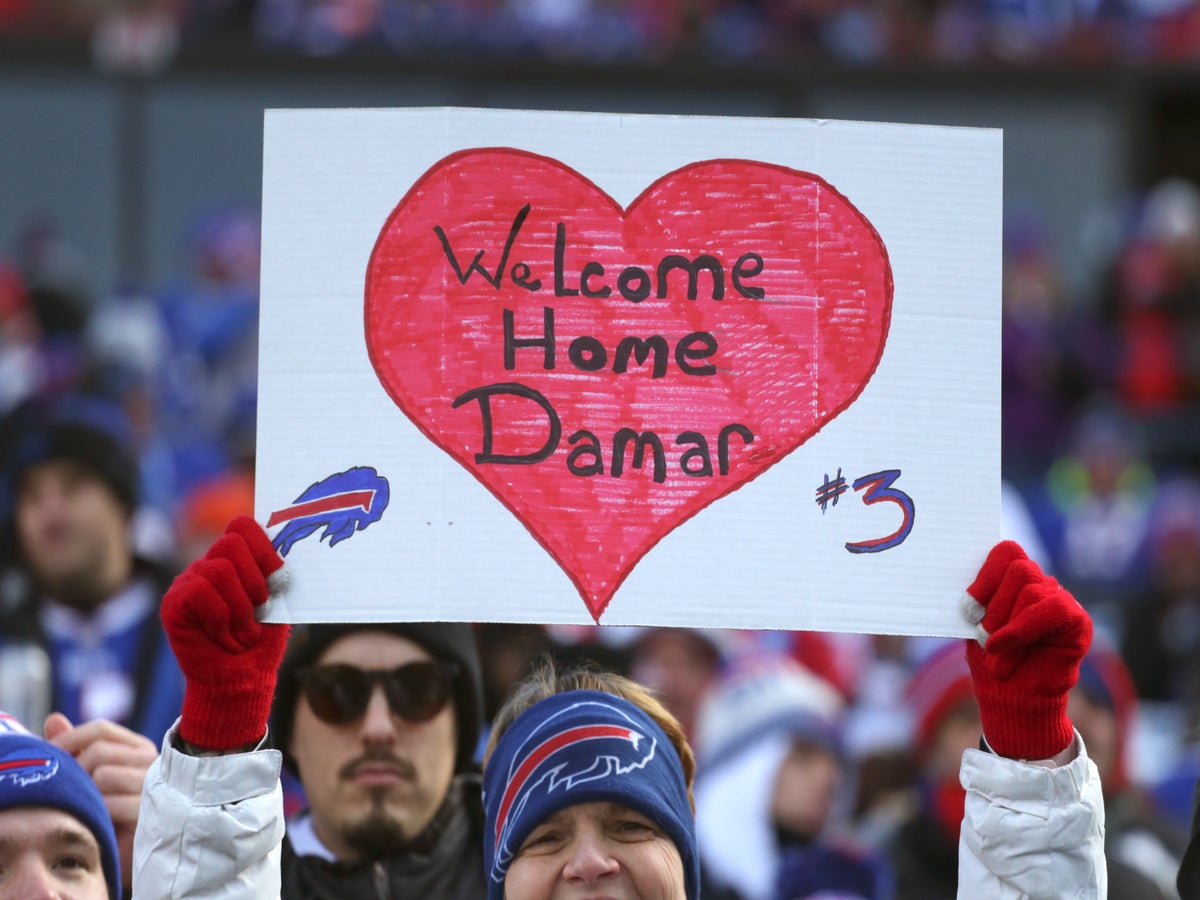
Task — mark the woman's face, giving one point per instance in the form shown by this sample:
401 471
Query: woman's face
595 850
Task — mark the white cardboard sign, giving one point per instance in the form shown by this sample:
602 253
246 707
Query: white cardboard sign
566 368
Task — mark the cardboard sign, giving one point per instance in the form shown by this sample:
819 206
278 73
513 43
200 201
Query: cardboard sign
568 368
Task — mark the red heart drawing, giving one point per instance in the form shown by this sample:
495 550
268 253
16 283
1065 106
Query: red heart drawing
607 373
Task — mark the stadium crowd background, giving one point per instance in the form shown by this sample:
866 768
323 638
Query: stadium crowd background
1101 361
723 32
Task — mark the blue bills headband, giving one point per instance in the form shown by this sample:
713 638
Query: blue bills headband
583 747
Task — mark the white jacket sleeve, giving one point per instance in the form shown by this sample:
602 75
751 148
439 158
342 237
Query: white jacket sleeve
209 827
1031 832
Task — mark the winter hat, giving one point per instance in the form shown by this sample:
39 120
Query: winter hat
90 429
582 747
940 683
35 773
450 641
760 696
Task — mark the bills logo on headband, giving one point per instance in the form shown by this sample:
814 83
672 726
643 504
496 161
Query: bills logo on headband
21 769
341 504
560 756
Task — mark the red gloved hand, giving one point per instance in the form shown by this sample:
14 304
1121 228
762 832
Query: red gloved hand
1032 635
227 656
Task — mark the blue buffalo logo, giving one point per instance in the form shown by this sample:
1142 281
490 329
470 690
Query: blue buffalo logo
341 504
22 770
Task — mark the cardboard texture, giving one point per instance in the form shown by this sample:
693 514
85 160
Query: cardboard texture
565 368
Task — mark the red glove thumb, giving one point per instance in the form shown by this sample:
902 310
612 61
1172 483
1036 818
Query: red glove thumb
1032 635
228 657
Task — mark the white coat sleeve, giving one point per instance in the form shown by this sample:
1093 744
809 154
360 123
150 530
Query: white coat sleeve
209 827
1030 832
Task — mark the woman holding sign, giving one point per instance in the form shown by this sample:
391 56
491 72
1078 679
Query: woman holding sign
587 785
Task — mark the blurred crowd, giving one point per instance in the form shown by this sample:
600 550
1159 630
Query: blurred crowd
144 34
851 738
180 365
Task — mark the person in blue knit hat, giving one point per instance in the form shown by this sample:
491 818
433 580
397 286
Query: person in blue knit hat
56 837
587 780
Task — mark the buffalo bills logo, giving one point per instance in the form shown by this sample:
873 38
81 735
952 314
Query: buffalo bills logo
342 504
21 769
560 756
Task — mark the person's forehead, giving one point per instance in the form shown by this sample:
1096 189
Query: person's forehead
372 649
40 825
59 468
590 811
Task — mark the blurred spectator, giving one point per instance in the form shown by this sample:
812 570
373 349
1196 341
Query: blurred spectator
211 312
878 736
924 847
773 785
1162 640
76 591
54 272
208 392
1042 380
20 361
678 665
608 647
125 352
1156 301
1094 511
54 269
1142 850
507 653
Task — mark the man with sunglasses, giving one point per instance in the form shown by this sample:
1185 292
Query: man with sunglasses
379 722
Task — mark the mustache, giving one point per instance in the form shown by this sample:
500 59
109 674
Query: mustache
375 758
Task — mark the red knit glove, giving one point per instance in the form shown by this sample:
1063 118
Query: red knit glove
1032 635
227 656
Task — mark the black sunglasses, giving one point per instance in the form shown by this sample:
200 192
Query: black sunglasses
416 692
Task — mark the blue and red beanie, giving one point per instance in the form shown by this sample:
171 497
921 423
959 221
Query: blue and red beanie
583 747
35 773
